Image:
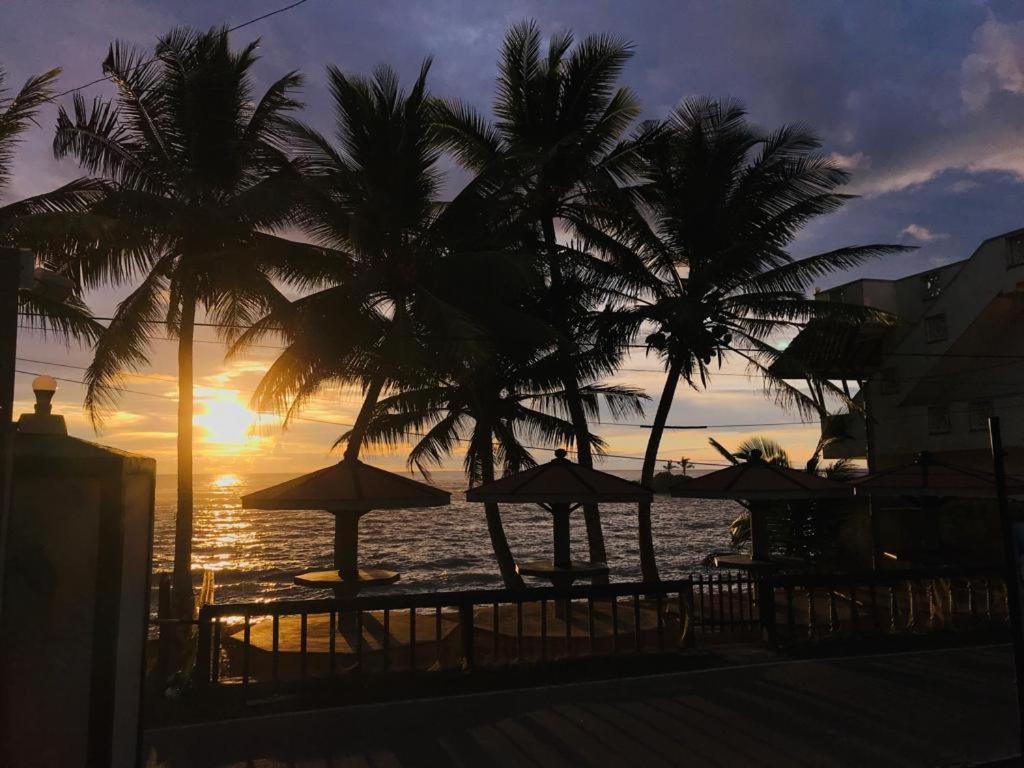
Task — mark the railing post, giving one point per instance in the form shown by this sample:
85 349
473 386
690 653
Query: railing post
687 618
166 632
204 649
466 633
766 609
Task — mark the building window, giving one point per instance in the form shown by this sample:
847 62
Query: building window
935 328
978 412
890 381
1015 253
938 420
931 285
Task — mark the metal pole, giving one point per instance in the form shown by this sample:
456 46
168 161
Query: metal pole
872 462
1013 573
10 279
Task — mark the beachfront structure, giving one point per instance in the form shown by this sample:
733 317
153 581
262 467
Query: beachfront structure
929 382
766 488
560 486
78 550
348 490
953 356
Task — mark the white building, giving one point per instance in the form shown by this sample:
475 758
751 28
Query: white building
954 356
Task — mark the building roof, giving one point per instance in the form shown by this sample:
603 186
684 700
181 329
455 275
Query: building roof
348 485
757 479
36 454
559 481
929 477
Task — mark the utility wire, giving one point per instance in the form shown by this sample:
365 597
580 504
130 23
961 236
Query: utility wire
604 424
106 78
240 326
340 424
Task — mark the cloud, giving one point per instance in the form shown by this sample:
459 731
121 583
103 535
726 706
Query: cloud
997 63
964 185
850 162
923 234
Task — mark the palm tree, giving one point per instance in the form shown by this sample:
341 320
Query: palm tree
198 180
37 223
725 201
391 307
556 155
491 408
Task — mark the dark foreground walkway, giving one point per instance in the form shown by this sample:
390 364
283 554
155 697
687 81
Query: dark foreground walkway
938 708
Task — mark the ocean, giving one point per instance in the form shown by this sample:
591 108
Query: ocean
255 554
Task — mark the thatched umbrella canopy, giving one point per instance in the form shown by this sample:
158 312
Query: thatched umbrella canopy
928 477
928 483
758 480
560 486
348 490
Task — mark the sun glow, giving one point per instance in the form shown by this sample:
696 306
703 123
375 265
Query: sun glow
226 424
227 480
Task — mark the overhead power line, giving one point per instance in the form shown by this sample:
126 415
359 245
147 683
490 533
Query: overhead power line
606 424
242 25
241 326
341 424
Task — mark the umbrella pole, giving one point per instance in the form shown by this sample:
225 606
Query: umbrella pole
346 542
1013 569
560 514
560 517
759 548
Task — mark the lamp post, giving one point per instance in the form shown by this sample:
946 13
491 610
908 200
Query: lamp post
11 268
1012 556
17 273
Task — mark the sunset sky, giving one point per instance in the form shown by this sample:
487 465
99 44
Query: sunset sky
922 101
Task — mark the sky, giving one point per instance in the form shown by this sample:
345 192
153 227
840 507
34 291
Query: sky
922 101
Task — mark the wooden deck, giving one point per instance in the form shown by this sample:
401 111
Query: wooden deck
952 707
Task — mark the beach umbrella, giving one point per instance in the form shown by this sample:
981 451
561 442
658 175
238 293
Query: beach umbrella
348 490
559 487
928 477
929 482
757 480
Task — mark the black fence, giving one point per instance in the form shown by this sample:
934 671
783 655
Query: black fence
278 642
725 606
271 643
809 607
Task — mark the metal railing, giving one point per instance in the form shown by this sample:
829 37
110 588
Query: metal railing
275 642
407 634
725 604
823 606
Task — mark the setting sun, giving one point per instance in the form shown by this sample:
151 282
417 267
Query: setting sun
226 422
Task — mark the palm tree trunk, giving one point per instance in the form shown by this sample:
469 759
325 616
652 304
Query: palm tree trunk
181 577
578 417
499 541
358 433
648 563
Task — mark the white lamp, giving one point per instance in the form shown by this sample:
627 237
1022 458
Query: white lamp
43 421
